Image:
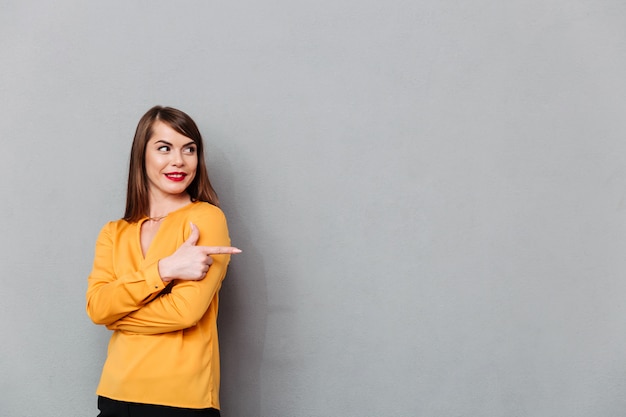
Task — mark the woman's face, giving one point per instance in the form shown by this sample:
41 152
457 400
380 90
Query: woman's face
171 161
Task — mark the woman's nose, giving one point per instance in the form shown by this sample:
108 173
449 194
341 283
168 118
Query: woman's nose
177 159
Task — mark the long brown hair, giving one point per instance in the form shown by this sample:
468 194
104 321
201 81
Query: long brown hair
137 196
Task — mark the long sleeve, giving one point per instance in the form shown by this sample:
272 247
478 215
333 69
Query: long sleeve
186 302
109 296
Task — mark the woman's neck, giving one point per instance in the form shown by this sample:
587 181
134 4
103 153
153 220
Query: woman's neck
161 206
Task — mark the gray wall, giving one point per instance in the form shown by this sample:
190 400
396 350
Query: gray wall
430 196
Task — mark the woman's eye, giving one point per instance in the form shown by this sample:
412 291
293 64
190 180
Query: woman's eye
163 148
190 150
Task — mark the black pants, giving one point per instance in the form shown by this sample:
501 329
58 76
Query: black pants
114 408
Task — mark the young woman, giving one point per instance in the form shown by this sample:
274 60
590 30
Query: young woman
156 277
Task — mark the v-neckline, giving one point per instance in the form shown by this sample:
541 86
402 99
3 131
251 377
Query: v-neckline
145 254
142 221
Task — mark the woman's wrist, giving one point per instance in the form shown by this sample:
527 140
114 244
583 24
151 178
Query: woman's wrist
163 271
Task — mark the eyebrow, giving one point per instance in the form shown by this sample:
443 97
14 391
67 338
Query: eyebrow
167 143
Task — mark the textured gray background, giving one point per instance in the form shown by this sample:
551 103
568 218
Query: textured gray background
430 196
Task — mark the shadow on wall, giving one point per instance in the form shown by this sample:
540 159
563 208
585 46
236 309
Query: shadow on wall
243 307
242 327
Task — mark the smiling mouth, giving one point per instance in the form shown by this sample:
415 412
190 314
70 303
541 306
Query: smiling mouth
176 176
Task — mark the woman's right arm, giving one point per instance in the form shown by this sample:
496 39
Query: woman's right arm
111 297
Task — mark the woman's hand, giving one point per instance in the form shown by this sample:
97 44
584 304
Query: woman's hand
191 262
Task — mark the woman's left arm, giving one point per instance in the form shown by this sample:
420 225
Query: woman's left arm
187 301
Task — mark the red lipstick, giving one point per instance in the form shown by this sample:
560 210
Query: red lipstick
176 176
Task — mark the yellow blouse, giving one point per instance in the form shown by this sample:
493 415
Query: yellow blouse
164 348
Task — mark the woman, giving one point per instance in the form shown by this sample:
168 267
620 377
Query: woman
156 277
